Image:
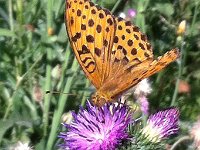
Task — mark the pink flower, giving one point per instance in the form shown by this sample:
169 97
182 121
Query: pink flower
132 13
97 128
144 104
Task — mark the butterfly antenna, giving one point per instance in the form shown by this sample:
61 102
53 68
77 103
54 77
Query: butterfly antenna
58 92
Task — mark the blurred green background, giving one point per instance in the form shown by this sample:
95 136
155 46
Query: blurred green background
35 57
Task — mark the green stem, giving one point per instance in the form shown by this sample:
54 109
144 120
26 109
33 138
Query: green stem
10 15
61 105
20 30
185 138
196 11
116 6
19 81
47 96
20 12
140 18
180 68
48 71
64 66
86 93
159 77
49 13
144 119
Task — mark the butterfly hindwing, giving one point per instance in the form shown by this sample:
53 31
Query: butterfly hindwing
125 79
161 62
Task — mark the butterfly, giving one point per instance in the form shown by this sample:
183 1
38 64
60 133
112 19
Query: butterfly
114 54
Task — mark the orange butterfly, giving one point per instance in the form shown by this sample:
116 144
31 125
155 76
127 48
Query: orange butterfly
112 52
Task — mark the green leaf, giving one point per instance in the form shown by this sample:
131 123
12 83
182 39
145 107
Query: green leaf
6 32
165 8
196 74
4 126
40 145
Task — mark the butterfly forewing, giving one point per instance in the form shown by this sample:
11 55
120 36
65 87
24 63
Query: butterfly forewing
128 78
90 31
130 45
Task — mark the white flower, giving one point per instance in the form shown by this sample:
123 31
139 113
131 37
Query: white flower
122 15
195 134
142 88
20 146
56 72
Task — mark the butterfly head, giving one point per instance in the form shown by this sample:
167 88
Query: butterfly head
98 100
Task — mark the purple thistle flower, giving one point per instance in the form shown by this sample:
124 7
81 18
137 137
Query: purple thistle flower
132 13
144 104
161 125
97 127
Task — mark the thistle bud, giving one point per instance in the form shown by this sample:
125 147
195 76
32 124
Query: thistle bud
37 93
181 28
29 27
56 72
50 31
67 118
183 87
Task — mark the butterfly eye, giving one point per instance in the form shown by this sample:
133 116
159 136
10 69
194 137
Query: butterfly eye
93 98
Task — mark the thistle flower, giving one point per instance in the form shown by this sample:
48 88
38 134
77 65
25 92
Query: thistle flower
97 128
144 104
142 89
132 13
161 125
195 134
